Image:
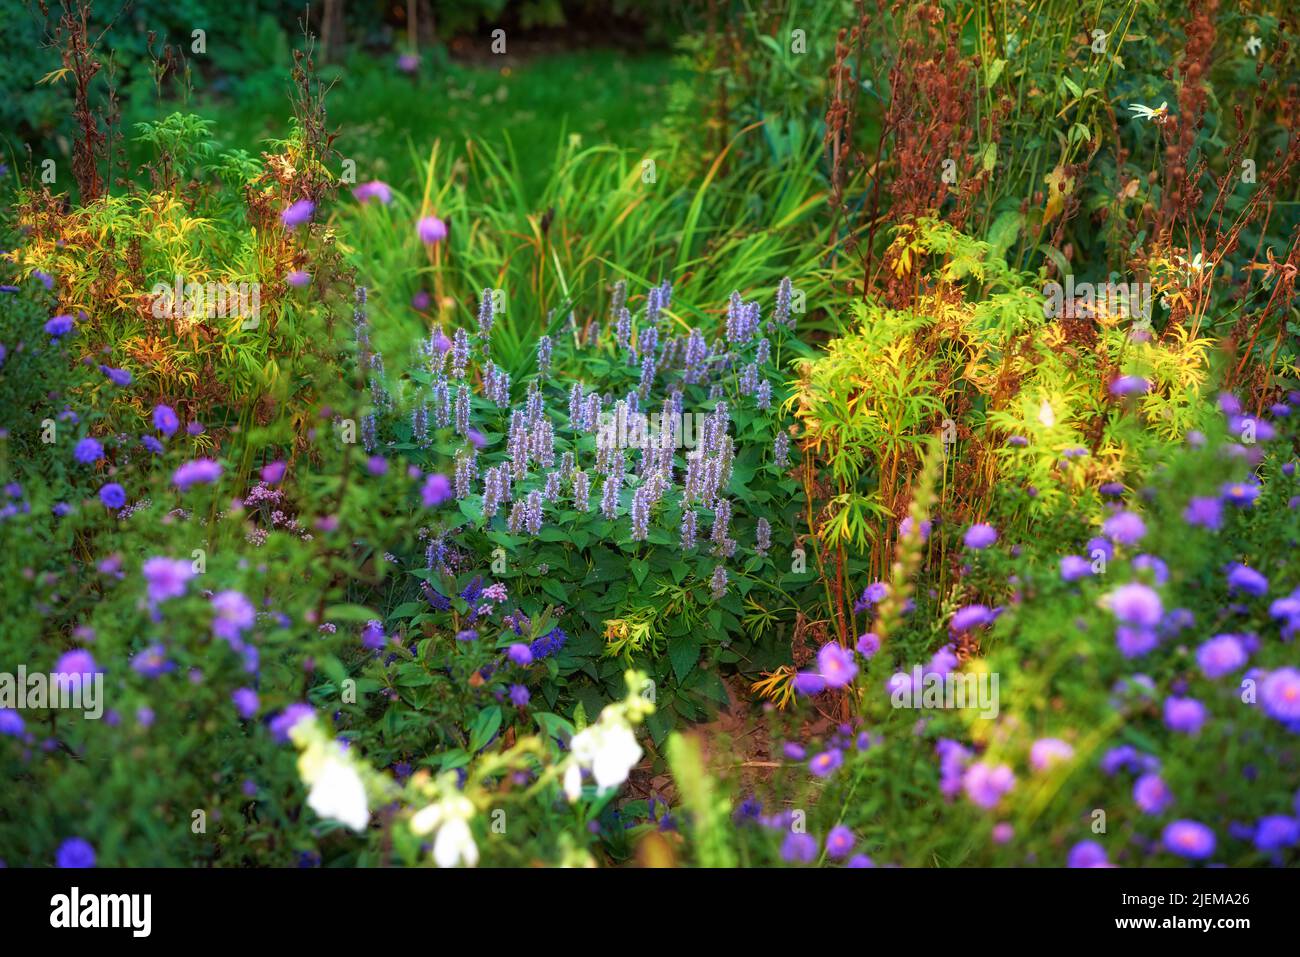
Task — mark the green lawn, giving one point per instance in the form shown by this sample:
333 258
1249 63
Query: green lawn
386 119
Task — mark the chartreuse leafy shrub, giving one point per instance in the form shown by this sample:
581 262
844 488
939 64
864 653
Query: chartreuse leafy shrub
197 286
1017 397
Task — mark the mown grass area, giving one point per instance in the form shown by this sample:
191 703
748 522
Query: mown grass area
386 118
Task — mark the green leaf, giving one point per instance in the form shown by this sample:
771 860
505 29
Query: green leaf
683 652
485 726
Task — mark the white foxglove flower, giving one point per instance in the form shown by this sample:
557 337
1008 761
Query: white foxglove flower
454 842
608 748
338 794
573 781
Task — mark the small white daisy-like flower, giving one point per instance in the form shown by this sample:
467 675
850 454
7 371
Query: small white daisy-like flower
1147 113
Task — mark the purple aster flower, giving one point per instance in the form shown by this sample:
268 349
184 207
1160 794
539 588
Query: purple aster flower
1124 528
113 496
1275 832
152 444
1130 385
167 577
826 762
468 634
298 213
164 420
1221 655
1250 429
1185 715
436 490
519 696
860 860
1244 579
1087 854
794 751
152 662
88 451
1151 794
372 635
375 189
76 853
807 683
906 525
868 644
970 617
1136 604
283 722
11 722
1074 567
1156 566
59 326
1133 642
1189 839
839 842
836 665
980 536
1046 752
953 760
871 595
431 230
246 702
78 665
376 465
272 472
799 848
1280 695
298 278
942 661
1123 757
519 654
196 472
1241 494
1100 547
232 614
985 784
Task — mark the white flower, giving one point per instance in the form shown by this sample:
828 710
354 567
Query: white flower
338 793
608 748
1046 416
1146 113
573 781
454 843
